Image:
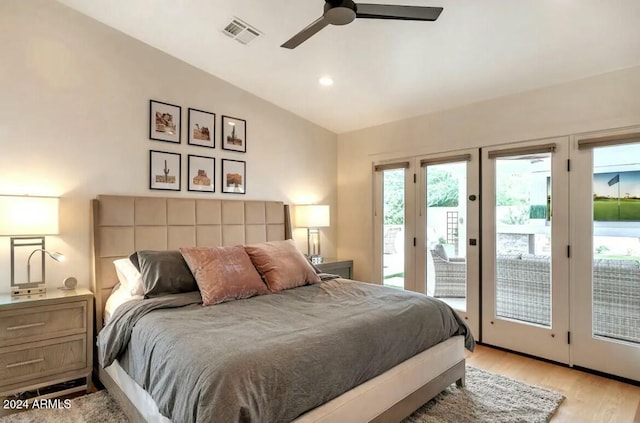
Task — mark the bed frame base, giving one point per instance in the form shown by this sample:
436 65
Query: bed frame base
403 409
123 401
396 413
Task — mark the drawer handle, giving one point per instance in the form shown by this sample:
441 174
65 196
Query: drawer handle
25 363
30 325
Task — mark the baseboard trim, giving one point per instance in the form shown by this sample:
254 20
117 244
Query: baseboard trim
578 368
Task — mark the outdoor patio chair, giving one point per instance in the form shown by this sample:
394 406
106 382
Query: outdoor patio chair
390 240
451 274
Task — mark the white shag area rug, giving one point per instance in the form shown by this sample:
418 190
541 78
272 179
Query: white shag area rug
486 398
98 407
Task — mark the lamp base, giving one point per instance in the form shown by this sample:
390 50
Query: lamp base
19 292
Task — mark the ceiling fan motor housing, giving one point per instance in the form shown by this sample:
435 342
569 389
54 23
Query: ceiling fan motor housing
342 12
339 12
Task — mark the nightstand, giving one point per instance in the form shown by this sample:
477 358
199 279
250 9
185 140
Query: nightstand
45 340
344 268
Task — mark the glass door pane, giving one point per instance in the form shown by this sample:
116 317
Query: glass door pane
616 243
523 238
446 216
393 226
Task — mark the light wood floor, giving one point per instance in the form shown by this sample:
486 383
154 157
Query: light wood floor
589 398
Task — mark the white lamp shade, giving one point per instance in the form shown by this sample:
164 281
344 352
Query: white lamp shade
28 215
312 216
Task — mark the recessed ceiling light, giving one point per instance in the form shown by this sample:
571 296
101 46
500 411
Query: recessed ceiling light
326 81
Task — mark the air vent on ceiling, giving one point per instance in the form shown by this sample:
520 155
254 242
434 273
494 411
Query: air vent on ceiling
241 31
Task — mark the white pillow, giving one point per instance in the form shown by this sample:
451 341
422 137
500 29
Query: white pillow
119 296
129 277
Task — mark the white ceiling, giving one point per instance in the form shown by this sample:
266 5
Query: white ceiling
387 70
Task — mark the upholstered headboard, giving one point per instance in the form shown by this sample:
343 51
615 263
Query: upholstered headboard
122 225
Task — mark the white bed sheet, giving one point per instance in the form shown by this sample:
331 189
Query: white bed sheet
119 296
361 404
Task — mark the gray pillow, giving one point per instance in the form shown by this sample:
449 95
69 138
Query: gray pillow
134 260
164 273
441 252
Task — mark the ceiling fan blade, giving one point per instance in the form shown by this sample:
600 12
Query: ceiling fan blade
405 13
306 33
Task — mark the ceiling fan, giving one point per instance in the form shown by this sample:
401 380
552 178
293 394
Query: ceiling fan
342 12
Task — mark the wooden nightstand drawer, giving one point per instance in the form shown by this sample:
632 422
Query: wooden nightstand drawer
38 323
40 359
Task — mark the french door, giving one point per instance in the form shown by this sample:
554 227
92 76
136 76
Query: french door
605 198
447 227
525 239
426 220
560 243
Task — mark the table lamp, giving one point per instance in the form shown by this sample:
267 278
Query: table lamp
313 217
27 220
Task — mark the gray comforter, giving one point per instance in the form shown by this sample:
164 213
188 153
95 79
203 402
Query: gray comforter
273 357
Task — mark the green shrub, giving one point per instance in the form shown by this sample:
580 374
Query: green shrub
538 211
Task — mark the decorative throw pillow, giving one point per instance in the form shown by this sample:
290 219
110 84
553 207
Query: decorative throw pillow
223 273
536 257
441 252
281 265
164 273
510 256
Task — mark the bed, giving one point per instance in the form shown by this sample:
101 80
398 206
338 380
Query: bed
123 224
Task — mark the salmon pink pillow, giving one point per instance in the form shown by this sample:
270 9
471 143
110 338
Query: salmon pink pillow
223 273
281 265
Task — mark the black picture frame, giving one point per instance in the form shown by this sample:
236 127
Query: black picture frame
234 176
159 170
234 134
165 122
201 171
201 128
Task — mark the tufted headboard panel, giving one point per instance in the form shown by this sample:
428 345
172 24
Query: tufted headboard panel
124 224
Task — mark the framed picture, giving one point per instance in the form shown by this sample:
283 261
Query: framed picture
234 134
202 128
234 176
201 171
164 121
164 170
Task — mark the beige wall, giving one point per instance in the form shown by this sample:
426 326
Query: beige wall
74 108
601 102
